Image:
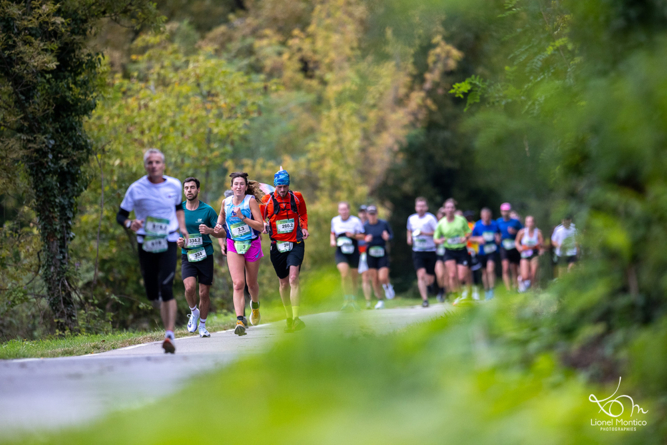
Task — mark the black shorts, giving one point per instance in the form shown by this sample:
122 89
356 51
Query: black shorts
374 262
484 259
568 259
461 256
534 254
282 261
475 263
158 270
201 270
512 255
424 260
352 259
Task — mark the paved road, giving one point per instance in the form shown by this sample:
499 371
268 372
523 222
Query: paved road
52 393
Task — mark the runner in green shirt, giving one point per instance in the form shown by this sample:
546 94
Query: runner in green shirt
453 231
197 255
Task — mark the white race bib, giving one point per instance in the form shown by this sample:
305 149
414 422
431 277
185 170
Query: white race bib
156 226
195 241
455 240
284 246
239 229
488 236
197 255
440 249
343 241
490 248
285 225
347 249
509 244
527 253
155 244
376 251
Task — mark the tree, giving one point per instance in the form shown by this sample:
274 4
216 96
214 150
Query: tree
48 86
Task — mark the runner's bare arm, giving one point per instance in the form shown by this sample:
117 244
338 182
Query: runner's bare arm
332 240
219 227
409 238
180 215
256 223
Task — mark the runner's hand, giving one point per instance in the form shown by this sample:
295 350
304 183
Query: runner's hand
223 247
511 230
349 234
266 228
137 224
332 243
181 242
305 233
368 238
385 235
203 229
218 228
185 233
236 213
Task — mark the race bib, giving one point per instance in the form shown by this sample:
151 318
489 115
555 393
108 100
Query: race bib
420 243
154 244
241 247
156 226
529 243
347 249
239 229
488 236
490 248
196 255
455 240
343 241
509 244
195 241
285 225
284 246
527 253
376 251
440 250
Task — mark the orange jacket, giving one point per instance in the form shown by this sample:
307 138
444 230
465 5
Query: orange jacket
285 218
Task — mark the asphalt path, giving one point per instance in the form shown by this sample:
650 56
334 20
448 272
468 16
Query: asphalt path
43 394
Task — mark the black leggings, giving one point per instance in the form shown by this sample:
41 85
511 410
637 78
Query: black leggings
158 270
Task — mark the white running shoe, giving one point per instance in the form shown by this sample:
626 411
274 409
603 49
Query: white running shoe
464 294
379 305
203 332
193 322
475 294
389 291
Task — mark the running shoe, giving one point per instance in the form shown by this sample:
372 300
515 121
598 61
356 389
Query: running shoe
255 317
168 346
441 297
475 294
290 325
368 305
203 332
193 321
464 294
389 291
240 328
380 305
425 303
245 322
298 324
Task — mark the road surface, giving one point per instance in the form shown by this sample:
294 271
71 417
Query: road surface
59 392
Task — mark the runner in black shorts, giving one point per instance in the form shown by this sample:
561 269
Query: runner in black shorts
378 232
421 226
197 255
346 231
453 231
509 256
156 201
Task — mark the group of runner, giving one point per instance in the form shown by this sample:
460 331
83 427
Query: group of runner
450 250
163 223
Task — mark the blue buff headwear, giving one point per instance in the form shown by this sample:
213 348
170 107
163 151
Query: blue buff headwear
281 177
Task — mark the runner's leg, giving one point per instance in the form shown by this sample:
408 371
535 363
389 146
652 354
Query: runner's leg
236 264
383 278
464 276
285 295
344 270
534 268
167 264
366 286
190 284
204 300
514 268
506 274
375 281
422 283
490 274
451 274
294 286
251 272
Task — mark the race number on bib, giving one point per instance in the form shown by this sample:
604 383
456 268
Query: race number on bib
420 243
455 240
195 241
155 244
509 244
239 229
488 236
284 246
376 251
196 255
285 225
440 250
241 247
343 241
490 248
157 226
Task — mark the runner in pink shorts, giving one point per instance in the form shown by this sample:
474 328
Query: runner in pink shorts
253 254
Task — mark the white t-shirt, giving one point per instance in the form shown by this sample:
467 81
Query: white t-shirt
154 200
352 225
565 239
422 243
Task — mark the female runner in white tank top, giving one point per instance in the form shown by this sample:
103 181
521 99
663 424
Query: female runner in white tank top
530 243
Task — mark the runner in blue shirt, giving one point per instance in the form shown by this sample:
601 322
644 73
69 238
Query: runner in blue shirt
509 256
486 233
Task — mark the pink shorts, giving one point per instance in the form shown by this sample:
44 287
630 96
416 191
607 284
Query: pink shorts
253 254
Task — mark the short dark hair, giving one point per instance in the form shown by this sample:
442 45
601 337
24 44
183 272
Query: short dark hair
191 179
422 199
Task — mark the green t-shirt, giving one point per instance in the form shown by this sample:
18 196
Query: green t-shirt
193 218
453 232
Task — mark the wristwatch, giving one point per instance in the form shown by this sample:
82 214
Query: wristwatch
128 223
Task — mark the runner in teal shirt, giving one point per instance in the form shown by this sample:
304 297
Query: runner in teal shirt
205 214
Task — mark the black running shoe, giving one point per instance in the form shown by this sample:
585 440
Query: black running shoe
298 324
425 303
